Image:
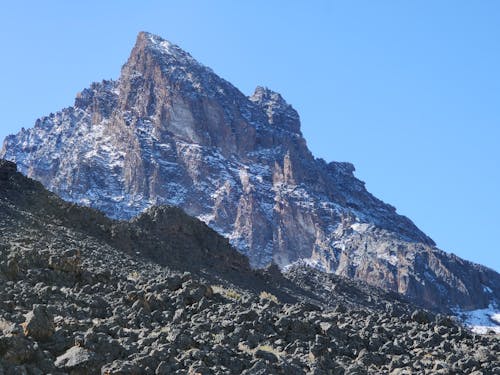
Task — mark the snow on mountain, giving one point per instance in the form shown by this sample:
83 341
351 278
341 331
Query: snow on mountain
481 321
170 131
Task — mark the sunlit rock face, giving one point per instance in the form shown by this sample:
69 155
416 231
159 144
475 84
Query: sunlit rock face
170 131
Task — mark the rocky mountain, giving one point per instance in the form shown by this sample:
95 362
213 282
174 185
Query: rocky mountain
81 294
170 131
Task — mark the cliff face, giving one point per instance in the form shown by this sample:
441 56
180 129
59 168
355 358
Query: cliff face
170 131
81 293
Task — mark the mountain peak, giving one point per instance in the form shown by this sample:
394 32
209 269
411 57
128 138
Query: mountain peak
146 40
172 132
277 109
156 63
262 93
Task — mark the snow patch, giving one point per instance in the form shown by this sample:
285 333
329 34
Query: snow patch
309 262
481 321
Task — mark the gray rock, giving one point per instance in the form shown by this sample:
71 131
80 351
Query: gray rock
77 361
120 367
7 169
420 316
16 349
39 323
130 322
259 368
266 355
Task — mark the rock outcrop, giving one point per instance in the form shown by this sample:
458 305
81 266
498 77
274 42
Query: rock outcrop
7 168
156 295
170 131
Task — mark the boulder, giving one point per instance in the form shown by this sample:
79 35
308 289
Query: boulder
69 262
77 361
39 323
16 349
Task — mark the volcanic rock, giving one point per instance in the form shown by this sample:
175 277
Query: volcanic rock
141 316
170 131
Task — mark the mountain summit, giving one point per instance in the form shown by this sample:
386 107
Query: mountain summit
170 131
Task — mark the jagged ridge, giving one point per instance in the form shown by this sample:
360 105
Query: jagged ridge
170 131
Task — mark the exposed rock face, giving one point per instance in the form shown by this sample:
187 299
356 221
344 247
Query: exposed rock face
132 309
170 131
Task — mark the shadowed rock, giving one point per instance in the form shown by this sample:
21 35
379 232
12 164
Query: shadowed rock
165 294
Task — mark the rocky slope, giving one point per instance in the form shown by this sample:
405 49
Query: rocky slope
170 131
81 294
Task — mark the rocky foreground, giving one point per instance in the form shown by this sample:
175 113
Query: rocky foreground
164 294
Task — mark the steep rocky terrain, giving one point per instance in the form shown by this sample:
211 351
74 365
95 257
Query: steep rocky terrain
170 131
81 294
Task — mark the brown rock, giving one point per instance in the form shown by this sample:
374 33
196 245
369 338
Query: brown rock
69 261
39 323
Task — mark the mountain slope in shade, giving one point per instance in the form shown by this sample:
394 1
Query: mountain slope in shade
170 131
82 294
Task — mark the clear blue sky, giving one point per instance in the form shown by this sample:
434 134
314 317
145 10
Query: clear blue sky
408 91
